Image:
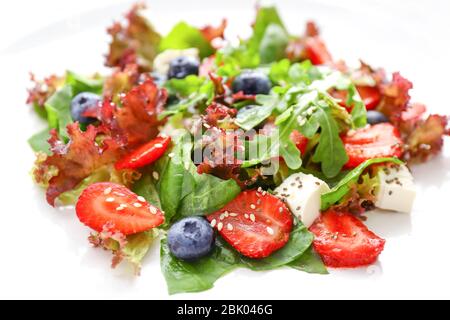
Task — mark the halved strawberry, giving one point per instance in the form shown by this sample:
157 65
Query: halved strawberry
343 241
317 51
376 141
254 223
144 155
110 203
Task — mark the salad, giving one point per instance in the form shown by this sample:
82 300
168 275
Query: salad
260 153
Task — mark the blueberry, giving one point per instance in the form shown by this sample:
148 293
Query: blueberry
374 117
252 82
190 238
81 103
181 67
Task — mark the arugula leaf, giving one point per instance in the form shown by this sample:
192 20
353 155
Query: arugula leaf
58 109
344 186
248 118
273 44
330 151
81 83
300 240
39 141
309 262
184 36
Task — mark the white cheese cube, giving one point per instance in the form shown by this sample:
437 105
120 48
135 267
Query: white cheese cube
397 190
301 192
162 61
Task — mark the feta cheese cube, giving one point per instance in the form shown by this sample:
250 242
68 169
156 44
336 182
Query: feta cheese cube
397 190
301 192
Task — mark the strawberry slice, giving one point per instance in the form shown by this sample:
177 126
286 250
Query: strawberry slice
343 241
254 223
317 51
377 141
113 204
144 155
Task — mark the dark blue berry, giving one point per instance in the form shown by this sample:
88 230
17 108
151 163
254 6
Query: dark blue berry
181 67
252 82
190 238
374 117
82 103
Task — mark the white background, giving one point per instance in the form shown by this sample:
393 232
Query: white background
44 252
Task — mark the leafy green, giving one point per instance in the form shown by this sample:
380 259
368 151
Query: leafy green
146 187
81 83
184 36
184 87
183 276
300 240
58 109
248 118
265 17
273 44
137 247
330 151
309 262
344 186
200 275
303 74
39 141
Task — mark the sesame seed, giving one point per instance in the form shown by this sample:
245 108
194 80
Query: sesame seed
280 209
163 135
213 223
317 183
252 206
158 145
111 199
207 126
219 226
120 208
390 193
222 216
252 217
226 214
270 230
171 155
230 227
246 216
258 202
141 199
298 208
137 205
153 210
155 175
107 191
233 214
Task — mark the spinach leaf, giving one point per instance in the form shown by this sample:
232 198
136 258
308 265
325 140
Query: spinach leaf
273 44
146 187
309 262
39 141
184 36
344 186
209 194
300 240
265 16
58 109
81 83
183 276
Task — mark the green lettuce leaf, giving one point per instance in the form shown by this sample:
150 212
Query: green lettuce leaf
39 141
265 17
58 110
344 186
146 187
184 36
81 83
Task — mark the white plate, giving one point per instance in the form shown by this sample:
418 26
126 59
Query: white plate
44 252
